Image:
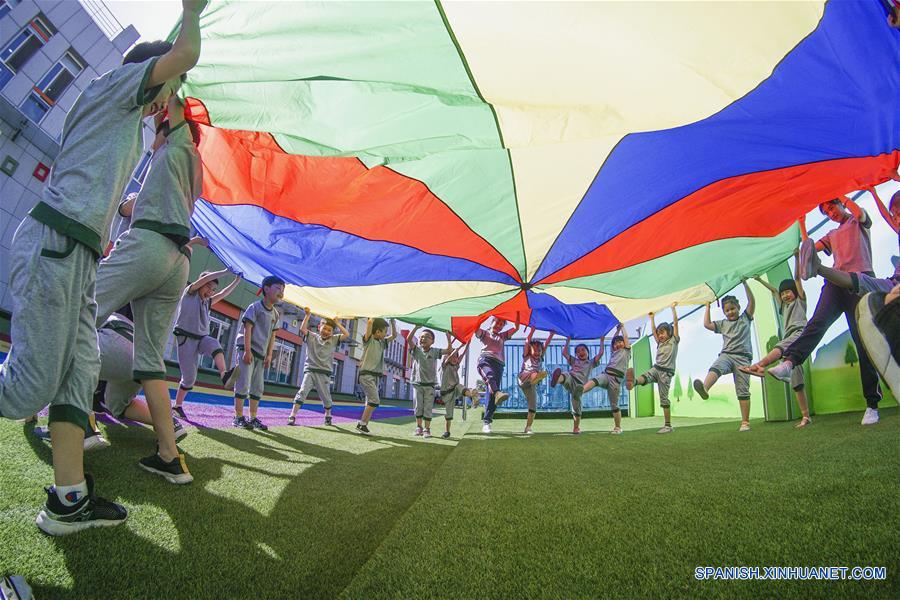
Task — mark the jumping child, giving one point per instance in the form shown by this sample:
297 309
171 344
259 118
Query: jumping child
580 367
371 367
662 371
611 379
532 373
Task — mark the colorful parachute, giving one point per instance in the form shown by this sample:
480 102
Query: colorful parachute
569 164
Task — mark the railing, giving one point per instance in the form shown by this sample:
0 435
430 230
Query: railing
103 17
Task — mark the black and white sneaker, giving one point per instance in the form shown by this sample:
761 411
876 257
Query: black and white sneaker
879 331
179 410
241 422
328 420
363 429
231 375
255 423
445 435
292 420
180 431
175 471
90 511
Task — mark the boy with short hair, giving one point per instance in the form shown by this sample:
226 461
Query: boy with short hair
253 351
371 367
851 246
192 332
611 379
317 369
737 351
580 367
791 301
148 268
667 340
57 246
424 359
491 364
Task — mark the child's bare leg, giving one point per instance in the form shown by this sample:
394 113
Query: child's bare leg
138 411
667 415
577 419
419 422
711 379
180 395
219 361
366 416
802 403
745 411
156 391
447 425
427 423
589 386
841 279
254 406
529 420
769 358
67 441
239 407
617 419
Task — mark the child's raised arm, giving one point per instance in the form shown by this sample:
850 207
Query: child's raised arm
304 326
751 300
565 351
853 207
195 287
548 340
798 281
707 320
653 327
885 213
393 335
768 285
411 338
621 329
449 349
344 332
185 50
597 358
228 289
368 333
675 320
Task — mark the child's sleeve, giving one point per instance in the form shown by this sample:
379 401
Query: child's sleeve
249 314
748 316
717 326
825 240
866 221
126 86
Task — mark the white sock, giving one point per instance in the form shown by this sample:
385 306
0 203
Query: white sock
70 495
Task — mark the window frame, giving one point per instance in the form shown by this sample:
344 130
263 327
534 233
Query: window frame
39 98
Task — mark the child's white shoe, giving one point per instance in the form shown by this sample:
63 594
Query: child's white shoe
663 429
417 432
426 433
870 417
782 372
745 426
616 431
528 431
808 260
486 428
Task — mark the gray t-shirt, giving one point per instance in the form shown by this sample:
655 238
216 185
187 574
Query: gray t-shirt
580 368
319 352
424 365
120 224
851 245
532 363
667 353
735 335
493 343
373 356
618 362
449 375
100 146
166 202
264 322
193 313
793 315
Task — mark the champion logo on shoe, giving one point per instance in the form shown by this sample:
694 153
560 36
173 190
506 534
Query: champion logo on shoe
73 496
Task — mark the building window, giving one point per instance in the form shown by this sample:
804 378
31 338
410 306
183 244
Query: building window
282 362
24 46
337 370
219 328
6 6
48 90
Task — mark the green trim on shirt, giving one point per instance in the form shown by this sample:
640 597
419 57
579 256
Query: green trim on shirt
179 234
52 218
176 128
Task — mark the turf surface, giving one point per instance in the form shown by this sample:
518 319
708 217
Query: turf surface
321 512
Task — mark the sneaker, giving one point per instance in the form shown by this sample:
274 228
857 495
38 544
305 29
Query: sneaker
328 420
90 511
95 442
174 471
629 379
870 417
878 324
445 435
418 432
501 398
363 429
231 375
241 422
486 428
745 426
804 422
701 391
426 433
576 431
616 431
255 423
782 372
663 429
179 410
528 431
808 261
554 379
180 431
291 420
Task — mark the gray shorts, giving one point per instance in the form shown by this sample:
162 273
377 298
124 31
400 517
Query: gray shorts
54 358
785 343
863 284
530 393
612 384
576 389
729 363
449 397
189 352
116 370
423 401
321 382
369 384
148 270
250 378
663 382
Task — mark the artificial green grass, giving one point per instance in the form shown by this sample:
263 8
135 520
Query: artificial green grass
310 512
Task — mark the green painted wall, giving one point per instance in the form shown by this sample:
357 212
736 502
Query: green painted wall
643 396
